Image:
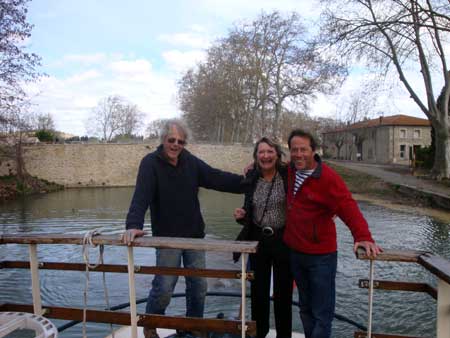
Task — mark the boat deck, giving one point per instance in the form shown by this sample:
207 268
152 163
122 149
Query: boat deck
125 332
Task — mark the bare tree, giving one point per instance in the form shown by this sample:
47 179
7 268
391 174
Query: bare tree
252 76
154 128
113 116
409 37
16 67
131 118
335 139
16 64
16 124
45 122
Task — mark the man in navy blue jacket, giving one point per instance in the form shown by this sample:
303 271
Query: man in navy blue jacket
168 181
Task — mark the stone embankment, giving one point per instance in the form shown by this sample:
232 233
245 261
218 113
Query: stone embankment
429 192
94 165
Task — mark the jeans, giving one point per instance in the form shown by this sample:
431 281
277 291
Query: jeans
315 278
163 285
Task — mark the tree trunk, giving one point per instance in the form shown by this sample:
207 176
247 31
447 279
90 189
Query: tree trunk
441 167
19 162
276 120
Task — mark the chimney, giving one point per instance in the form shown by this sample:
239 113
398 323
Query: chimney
381 119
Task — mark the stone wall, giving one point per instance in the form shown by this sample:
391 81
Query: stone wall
81 165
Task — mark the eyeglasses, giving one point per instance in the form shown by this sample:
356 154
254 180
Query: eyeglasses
174 140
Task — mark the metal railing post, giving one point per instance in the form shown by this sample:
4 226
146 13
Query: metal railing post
244 293
132 289
35 284
369 324
443 309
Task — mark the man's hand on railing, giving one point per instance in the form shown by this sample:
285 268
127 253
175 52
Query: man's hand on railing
129 235
372 249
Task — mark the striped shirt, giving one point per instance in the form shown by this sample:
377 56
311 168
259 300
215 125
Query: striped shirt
300 177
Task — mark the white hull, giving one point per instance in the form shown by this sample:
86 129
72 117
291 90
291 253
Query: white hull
125 332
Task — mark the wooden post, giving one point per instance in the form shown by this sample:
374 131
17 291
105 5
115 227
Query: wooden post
35 284
244 293
132 289
443 309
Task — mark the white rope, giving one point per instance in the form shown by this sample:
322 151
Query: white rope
87 243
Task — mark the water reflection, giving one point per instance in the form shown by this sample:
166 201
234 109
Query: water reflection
79 210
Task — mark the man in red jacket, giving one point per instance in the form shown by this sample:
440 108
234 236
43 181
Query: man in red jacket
316 194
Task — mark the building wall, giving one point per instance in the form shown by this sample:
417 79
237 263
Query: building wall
408 137
83 165
376 145
381 144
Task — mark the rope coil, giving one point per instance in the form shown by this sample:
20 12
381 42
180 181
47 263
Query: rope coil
88 243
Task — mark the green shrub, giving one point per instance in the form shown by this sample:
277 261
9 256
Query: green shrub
45 135
425 157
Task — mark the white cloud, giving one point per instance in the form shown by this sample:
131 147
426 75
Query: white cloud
96 58
84 76
198 28
189 39
238 9
70 98
131 67
181 61
391 98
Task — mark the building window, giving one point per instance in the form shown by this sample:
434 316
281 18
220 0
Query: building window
402 150
416 133
402 133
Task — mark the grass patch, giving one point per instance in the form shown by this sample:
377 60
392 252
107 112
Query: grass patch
11 188
361 183
374 187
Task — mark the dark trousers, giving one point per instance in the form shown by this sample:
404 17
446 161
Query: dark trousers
315 277
272 253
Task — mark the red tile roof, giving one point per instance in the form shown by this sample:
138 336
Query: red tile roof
394 120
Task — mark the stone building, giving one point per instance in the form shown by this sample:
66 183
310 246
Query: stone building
389 139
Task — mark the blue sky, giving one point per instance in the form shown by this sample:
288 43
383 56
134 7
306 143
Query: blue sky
138 49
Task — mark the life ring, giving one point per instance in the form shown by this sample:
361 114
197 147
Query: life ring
12 321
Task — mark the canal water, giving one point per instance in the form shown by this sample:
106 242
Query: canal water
80 210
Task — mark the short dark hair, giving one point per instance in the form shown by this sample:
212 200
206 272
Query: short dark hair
272 144
304 134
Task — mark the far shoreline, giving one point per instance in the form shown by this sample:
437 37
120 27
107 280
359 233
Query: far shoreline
371 189
364 187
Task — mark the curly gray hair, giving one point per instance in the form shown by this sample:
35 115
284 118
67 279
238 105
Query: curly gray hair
177 123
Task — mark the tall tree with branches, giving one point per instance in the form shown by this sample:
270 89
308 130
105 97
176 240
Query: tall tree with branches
17 66
114 116
408 37
253 75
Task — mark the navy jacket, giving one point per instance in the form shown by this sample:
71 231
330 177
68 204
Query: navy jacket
171 192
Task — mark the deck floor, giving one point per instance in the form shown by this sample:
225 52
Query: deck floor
125 332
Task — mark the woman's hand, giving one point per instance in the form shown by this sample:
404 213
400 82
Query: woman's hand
239 213
249 167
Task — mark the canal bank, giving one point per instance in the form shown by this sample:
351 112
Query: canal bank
12 188
115 165
395 187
